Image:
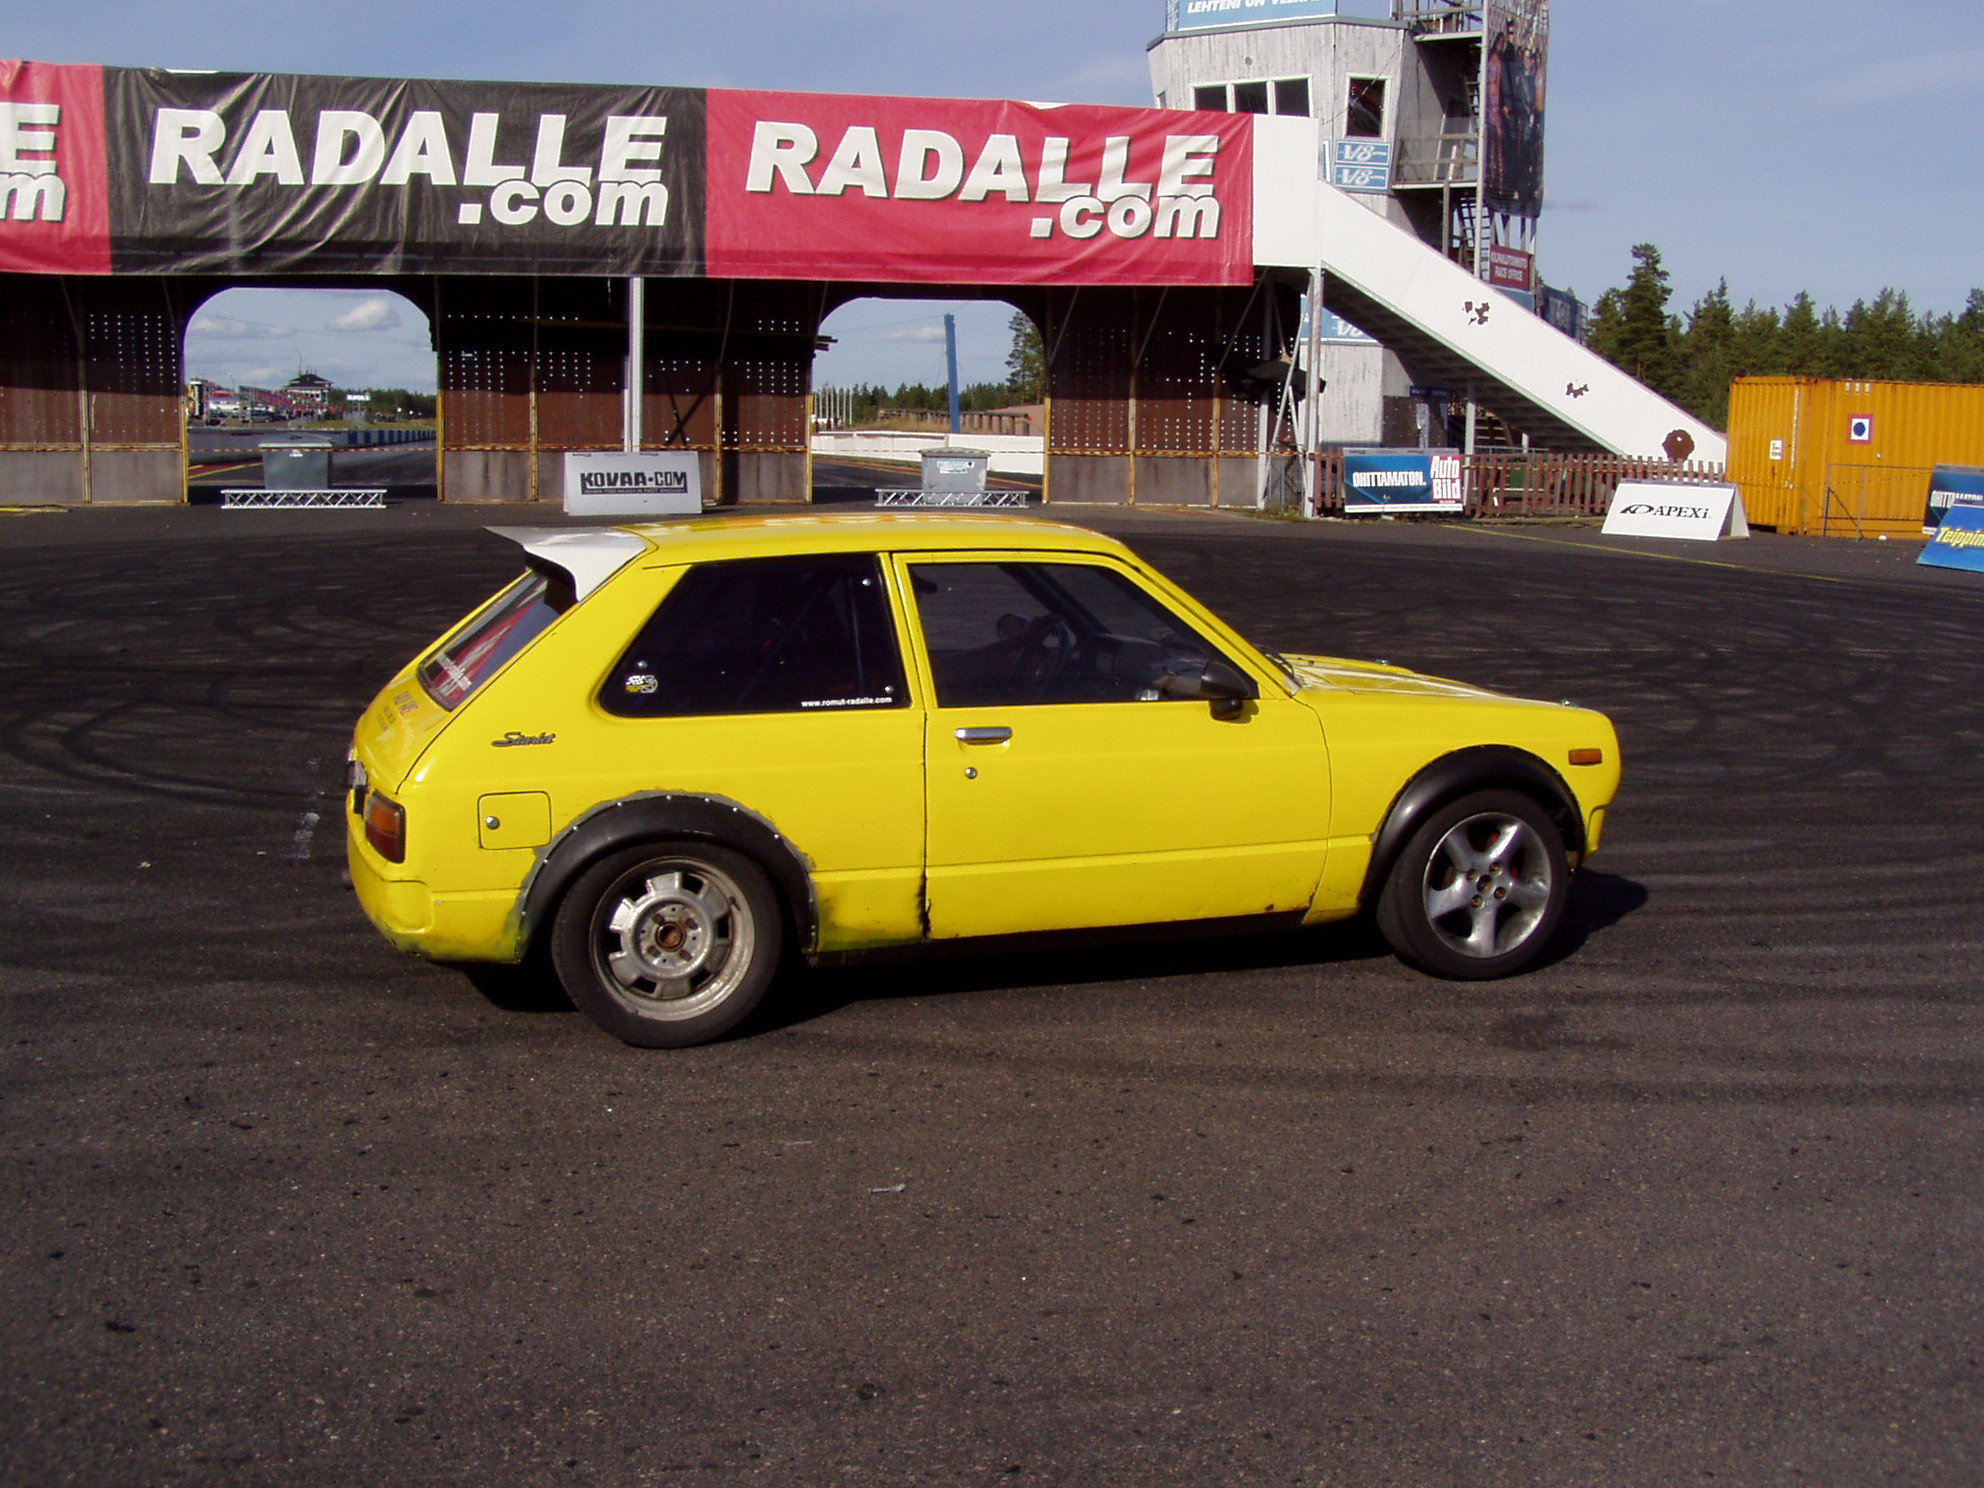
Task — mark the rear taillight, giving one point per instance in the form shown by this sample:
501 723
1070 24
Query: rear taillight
385 827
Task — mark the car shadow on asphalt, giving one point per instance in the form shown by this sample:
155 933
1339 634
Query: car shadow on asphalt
1597 902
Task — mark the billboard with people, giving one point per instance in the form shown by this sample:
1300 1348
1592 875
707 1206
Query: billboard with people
1514 55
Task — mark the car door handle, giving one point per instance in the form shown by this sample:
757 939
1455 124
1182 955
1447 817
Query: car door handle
996 733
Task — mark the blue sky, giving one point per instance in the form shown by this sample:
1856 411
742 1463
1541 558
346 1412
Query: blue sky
1825 145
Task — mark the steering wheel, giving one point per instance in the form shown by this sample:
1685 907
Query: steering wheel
1046 646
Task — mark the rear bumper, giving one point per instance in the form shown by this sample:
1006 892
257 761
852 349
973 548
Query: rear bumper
448 927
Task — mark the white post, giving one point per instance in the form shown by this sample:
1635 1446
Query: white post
635 397
1312 412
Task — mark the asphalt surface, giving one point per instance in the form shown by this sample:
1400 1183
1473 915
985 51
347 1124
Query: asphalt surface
1696 1201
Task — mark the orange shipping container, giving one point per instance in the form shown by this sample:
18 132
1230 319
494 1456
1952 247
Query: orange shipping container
1847 459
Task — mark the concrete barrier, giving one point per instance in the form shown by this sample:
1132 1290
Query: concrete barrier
1012 454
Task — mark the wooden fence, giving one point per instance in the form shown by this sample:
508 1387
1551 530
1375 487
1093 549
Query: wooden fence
1519 483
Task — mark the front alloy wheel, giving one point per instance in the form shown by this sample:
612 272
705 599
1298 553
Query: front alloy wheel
1478 890
668 945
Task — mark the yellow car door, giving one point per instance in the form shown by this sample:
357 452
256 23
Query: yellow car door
1079 768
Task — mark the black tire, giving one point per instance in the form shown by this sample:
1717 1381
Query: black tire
1479 888
668 944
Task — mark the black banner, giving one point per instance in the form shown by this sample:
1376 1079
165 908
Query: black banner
259 173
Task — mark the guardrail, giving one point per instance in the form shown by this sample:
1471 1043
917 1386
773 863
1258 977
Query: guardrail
247 443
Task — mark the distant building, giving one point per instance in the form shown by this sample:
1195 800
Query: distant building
308 391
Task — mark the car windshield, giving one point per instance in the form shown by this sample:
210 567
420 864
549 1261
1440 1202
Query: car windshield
506 625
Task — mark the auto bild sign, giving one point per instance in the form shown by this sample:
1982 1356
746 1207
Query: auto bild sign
1387 482
112 170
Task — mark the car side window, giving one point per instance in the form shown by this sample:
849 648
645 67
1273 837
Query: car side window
764 635
1001 633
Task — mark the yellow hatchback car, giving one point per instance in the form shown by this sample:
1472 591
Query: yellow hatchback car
668 754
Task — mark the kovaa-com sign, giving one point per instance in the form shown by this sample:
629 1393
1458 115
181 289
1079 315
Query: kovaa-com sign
115 170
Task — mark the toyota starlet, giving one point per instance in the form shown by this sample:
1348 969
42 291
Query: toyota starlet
667 756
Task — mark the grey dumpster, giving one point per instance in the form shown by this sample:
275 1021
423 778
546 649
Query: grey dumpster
954 470
298 463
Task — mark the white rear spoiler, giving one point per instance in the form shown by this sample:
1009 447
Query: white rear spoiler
589 555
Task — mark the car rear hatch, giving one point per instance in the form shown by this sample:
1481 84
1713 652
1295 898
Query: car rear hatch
565 565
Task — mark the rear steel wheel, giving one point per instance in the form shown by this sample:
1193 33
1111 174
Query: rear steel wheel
668 945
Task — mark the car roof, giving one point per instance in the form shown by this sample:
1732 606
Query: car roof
592 555
701 539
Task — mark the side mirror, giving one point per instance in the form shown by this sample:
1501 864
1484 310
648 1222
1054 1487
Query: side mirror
1220 683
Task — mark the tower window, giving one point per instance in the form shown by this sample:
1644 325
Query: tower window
1365 118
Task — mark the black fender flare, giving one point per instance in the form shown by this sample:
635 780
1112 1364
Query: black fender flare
1482 767
657 815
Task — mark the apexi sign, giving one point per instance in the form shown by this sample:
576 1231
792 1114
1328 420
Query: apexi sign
110 170
1660 509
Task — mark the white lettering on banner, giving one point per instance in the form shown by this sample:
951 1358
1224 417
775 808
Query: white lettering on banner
785 148
857 162
188 137
933 151
930 167
422 151
1115 161
483 169
268 150
1366 479
547 165
631 138
329 167
999 168
351 148
632 203
30 190
28 198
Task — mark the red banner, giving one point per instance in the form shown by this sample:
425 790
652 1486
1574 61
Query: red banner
141 171
928 190
54 206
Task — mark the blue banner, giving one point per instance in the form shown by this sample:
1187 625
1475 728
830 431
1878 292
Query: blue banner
1358 164
1959 541
1201 15
1952 485
1380 482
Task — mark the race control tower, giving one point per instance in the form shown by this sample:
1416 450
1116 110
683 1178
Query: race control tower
1431 115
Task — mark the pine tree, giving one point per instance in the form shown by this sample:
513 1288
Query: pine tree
1026 363
1635 332
1707 357
1802 345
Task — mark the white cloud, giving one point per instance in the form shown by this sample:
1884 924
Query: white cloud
376 313
914 334
226 328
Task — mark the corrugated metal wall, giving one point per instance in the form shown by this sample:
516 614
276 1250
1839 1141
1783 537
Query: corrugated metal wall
1847 458
90 384
1143 395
